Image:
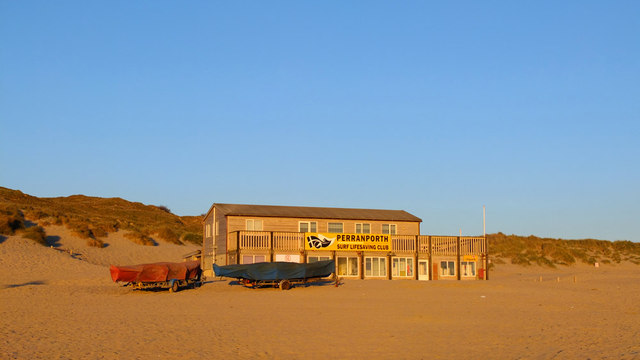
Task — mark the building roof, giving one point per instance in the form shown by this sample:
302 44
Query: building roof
315 212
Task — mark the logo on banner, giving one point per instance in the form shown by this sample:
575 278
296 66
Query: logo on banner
319 241
348 242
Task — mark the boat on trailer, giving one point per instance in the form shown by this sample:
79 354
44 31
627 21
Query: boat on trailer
172 276
278 274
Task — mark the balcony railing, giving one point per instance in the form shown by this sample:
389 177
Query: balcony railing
422 244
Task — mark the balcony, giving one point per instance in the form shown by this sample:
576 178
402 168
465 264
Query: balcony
421 244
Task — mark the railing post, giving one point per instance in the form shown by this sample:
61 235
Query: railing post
416 256
431 267
486 258
271 246
458 257
237 247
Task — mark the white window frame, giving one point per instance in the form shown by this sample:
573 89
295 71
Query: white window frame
316 258
252 224
253 258
365 228
335 223
448 265
350 266
392 229
369 262
208 230
463 268
398 262
311 225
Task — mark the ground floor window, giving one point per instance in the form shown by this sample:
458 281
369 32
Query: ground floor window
252 259
375 266
311 259
447 268
348 266
402 267
468 268
288 257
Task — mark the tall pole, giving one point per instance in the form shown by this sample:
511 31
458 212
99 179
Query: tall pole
484 223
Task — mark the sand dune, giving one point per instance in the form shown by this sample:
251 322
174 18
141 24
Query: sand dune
55 306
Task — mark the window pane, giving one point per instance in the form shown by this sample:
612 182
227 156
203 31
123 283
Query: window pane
452 268
366 228
247 259
409 267
472 265
257 225
383 267
402 264
250 225
394 267
311 259
335 227
385 228
376 267
358 228
342 266
353 266
260 258
392 229
313 226
367 266
304 227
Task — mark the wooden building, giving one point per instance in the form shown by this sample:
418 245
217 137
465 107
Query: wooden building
365 243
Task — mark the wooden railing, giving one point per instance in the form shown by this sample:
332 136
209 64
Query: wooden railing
255 240
406 243
444 245
288 241
424 244
472 245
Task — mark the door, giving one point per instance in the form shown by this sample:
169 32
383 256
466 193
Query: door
423 269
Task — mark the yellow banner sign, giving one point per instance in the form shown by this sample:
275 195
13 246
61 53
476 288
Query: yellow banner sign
347 242
470 258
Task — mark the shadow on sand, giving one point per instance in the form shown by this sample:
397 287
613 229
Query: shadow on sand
2 239
24 284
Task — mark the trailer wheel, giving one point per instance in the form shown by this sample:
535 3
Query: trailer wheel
285 285
174 286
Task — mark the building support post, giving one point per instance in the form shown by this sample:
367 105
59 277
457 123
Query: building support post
416 256
458 257
430 266
486 258
271 246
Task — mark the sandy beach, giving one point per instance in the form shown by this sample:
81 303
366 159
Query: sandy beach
54 305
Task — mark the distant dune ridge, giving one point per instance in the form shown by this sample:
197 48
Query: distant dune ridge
96 219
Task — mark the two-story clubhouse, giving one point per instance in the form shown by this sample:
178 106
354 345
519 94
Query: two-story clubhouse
365 243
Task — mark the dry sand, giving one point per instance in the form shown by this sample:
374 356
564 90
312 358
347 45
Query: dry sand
54 306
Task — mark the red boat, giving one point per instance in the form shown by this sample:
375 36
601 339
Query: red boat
163 275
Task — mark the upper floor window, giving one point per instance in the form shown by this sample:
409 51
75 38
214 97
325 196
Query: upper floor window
335 228
208 230
254 225
308 226
389 229
363 228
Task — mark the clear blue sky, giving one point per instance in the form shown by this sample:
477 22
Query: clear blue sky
437 108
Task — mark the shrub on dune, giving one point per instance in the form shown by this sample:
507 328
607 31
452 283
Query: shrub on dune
35 233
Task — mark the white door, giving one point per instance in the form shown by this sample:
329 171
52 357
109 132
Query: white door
423 270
